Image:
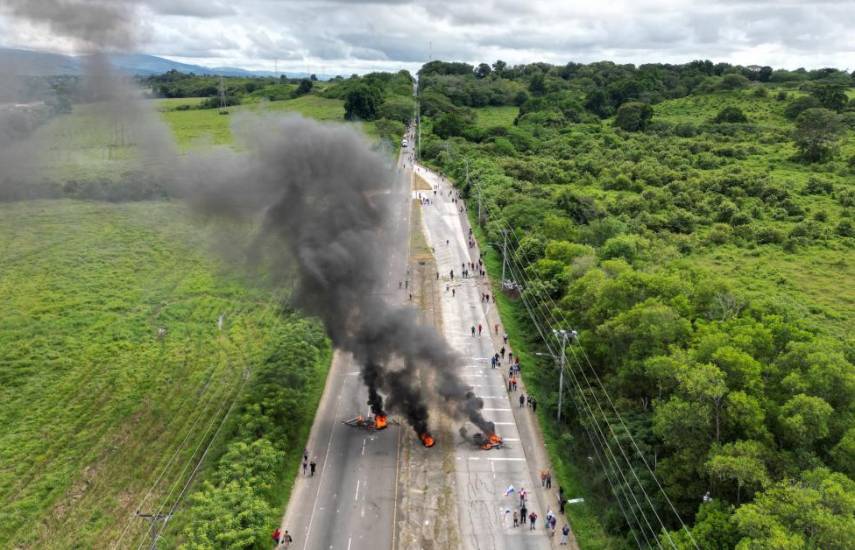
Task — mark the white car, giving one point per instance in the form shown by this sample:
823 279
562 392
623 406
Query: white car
404 143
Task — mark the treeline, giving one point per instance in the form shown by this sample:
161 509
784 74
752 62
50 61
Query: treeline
385 98
743 405
239 503
236 90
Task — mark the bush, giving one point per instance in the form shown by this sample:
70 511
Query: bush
733 82
731 114
799 105
818 186
633 116
781 95
817 133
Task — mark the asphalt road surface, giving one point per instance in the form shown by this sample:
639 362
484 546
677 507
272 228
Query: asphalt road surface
482 477
350 503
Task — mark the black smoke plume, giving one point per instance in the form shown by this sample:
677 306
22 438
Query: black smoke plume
325 203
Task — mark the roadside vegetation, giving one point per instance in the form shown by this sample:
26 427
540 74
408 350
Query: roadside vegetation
125 345
694 224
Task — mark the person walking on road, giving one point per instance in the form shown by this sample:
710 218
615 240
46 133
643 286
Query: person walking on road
523 513
516 520
479 329
502 352
473 331
522 400
312 466
533 404
305 465
532 518
548 479
565 535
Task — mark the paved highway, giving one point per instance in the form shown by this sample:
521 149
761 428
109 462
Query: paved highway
350 503
481 477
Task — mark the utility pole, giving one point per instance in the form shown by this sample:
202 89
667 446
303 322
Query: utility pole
153 519
504 253
562 336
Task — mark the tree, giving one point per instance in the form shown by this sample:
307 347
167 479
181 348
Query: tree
799 105
633 116
730 114
537 86
597 102
449 124
361 103
830 96
817 134
816 511
482 71
804 420
400 108
499 67
742 462
304 87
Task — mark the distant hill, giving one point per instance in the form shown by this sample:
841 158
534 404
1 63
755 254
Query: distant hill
30 63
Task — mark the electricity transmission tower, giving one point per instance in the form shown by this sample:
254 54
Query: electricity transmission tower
153 520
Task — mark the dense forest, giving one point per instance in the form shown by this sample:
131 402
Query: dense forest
694 224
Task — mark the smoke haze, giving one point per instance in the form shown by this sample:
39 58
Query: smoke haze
325 202
321 197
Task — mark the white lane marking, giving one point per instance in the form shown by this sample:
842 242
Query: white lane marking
352 373
356 496
348 543
510 439
363 446
493 468
486 409
503 423
324 470
508 459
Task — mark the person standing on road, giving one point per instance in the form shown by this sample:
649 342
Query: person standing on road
522 400
506 338
305 465
565 535
473 331
533 404
548 479
453 292
516 520
312 465
479 329
532 518
502 351
523 513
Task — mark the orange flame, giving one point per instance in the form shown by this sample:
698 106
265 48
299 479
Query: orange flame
491 442
427 440
380 421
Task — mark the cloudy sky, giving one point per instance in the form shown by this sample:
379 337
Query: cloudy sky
344 36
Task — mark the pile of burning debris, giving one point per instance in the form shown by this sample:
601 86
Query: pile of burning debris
485 441
372 423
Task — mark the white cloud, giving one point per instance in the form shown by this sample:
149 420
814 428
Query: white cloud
342 36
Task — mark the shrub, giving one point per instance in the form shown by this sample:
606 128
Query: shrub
799 105
817 133
845 229
818 186
768 235
733 82
781 95
731 114
633 116
760 91
622 246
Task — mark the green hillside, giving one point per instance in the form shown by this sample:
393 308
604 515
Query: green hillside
694 224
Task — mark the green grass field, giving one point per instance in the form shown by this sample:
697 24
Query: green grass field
489 117
99 403
206 127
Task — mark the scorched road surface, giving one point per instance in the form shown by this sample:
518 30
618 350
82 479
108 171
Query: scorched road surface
350 502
